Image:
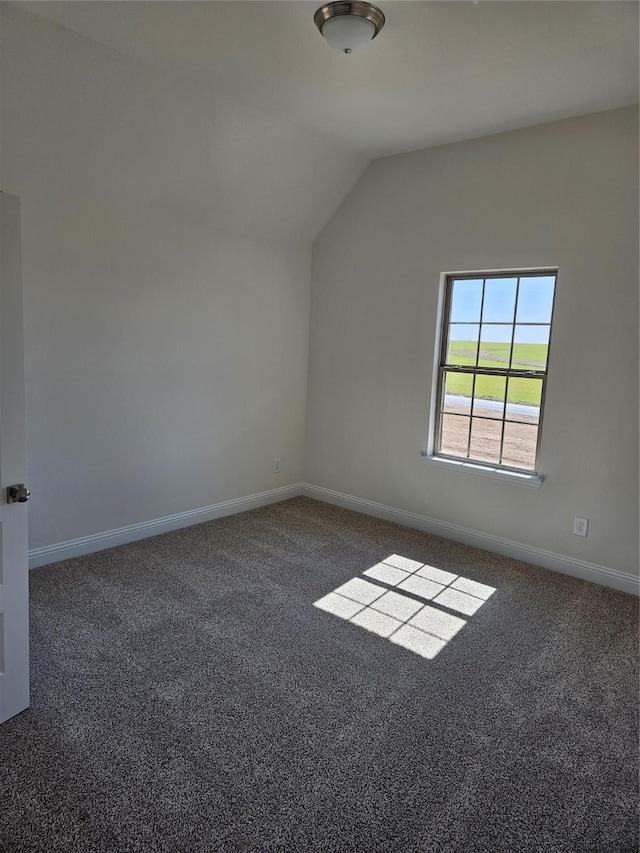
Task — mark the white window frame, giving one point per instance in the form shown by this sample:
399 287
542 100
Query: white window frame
500 471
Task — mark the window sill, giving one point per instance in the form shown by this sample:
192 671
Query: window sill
530 481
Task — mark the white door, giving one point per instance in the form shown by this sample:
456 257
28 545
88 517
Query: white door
14 581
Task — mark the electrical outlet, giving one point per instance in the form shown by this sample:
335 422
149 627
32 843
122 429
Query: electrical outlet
276 466
580 526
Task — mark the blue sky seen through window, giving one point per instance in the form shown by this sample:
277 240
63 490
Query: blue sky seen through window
535 303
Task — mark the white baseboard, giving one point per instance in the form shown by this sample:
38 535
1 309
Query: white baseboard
537 556
111 538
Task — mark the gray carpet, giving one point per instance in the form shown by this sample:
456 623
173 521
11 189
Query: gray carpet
188 696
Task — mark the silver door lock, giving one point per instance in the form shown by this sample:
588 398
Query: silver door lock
18 494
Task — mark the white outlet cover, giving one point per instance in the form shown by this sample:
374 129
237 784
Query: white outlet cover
580 526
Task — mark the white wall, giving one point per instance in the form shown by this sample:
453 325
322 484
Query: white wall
562 194
166 267
166 274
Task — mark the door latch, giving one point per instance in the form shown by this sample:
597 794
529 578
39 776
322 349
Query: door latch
18 494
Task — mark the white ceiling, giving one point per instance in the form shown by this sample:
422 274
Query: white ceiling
439 71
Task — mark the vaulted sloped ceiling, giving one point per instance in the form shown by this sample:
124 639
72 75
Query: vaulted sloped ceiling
259 127
439 71
80 119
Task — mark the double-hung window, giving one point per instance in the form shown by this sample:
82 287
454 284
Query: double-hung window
493 368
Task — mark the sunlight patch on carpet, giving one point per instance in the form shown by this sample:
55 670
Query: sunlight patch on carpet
405 619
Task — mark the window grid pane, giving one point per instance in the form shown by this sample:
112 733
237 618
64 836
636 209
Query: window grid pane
513 336
463 343
485 441
491 401
455 435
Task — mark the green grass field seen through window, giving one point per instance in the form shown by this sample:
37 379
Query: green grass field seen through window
520 389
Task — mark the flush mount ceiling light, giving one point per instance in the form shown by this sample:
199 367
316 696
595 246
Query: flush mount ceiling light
349 26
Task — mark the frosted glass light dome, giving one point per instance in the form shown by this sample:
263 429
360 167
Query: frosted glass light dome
347 33
347 27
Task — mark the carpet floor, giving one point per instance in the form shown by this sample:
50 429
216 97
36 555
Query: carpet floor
187 695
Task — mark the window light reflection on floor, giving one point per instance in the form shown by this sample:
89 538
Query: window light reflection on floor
401 618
